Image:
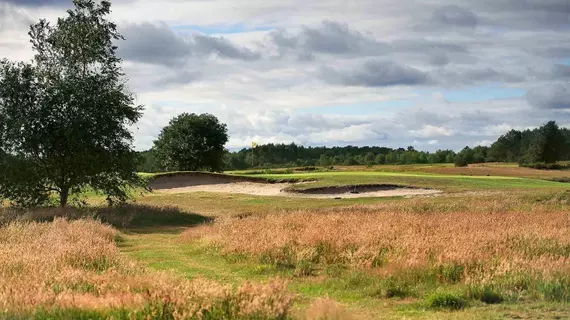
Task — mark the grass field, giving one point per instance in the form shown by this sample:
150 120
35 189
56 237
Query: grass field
489 247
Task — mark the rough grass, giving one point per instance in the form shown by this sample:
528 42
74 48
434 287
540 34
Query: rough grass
521 249
74 270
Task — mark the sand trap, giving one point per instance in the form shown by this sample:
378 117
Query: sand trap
226 184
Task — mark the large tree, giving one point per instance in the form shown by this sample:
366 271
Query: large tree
65 116
192 142
546 145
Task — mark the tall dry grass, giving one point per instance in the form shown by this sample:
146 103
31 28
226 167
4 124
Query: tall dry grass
76 265
468 239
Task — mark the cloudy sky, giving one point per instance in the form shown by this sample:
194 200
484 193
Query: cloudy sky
429 73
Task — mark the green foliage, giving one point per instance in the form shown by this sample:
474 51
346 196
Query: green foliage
485 294
394 288
546 144
65 116
445 300
292 155
545 166
460 161
452 273
192 142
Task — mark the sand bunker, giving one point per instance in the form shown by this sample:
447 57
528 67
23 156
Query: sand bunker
229 184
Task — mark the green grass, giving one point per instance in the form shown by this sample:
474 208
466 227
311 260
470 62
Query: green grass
212 204
450 183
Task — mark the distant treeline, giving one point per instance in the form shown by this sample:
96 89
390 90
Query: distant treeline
543 145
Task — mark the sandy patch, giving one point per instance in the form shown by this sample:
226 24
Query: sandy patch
277 189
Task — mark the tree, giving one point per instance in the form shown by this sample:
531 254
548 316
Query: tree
380 159
369 158
464 157
65 116
325 161
192 142
546 145
507 148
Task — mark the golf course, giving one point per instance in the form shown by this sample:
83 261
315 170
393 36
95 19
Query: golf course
472 250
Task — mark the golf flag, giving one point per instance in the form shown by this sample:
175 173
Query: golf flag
254 145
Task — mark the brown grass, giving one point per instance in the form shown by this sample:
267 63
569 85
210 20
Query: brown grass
487 238
63 265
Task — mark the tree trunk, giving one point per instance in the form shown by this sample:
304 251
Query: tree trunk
63 196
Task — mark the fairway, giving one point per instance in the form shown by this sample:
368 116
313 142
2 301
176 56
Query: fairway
447 182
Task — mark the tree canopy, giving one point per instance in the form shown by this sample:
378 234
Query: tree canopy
192 142
65 116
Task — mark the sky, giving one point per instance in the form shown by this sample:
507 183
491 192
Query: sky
434 74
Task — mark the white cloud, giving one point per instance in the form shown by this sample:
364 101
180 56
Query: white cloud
484 143
429 131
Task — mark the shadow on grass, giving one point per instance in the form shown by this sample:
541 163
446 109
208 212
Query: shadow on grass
143 218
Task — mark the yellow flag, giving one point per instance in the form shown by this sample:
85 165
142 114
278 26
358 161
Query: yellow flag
254 145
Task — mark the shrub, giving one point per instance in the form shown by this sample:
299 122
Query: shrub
445 300
554 290
451 273
461 162
544 166
392 288
304 268
485 294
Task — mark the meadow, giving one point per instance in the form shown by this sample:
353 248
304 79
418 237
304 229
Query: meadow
495 244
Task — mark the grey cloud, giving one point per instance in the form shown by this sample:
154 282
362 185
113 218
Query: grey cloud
183 77
155 44
450 18
527 14
206 45
159 44
465 76
375 73
333 38
561 71
554 96
11 18
52 3
338 39
329 37
40 3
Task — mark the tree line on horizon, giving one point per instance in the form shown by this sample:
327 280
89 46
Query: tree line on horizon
536 148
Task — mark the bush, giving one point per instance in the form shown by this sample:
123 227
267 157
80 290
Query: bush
445 300
304 268
392 288
461 162
544 166
451 273
485 294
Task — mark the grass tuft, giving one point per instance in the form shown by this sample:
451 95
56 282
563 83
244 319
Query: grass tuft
445 300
